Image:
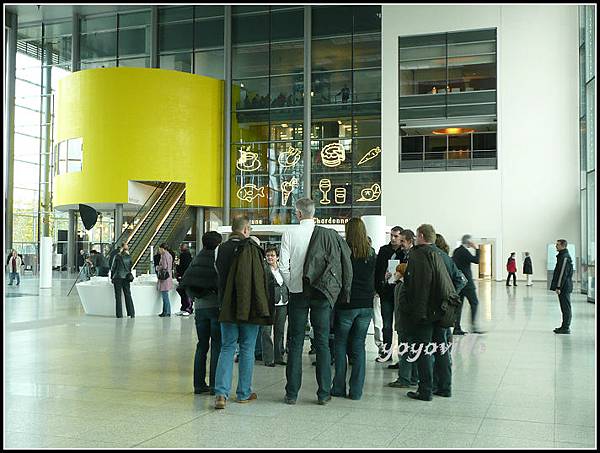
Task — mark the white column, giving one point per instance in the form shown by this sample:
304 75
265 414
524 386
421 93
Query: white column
375 225
46 262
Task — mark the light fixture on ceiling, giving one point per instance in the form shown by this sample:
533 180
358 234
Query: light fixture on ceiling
453 131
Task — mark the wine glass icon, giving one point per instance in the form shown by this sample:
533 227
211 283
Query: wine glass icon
325 187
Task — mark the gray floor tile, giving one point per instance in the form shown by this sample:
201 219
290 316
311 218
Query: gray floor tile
517 429
576 434
488 441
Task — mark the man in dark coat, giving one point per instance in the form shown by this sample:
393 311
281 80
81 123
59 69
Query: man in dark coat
185 258
244 306
562 283
528 268
463 259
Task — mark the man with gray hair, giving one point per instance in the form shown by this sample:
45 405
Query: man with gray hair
463 259
316 267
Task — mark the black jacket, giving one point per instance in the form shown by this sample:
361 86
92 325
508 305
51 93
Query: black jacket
276 292
200 278
456 275
327 266
185 258
224 260
563 273
463 259
527 266
363 289
121 265
386 253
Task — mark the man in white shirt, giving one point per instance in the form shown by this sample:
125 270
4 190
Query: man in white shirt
327 268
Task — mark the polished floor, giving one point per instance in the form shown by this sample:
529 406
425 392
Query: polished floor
77 381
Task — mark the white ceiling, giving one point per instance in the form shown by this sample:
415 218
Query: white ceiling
28 13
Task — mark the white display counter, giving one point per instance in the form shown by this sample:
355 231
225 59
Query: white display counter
97 296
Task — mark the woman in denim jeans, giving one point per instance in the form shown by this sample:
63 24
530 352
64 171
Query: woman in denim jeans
352 319
164 286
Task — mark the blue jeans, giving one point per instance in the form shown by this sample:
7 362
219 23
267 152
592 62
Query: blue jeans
350 325
230 335
320 312
166 302
209 331
12 277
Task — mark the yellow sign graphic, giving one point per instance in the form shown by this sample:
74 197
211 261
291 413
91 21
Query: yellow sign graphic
370 193
249 192
248 160
289 158
333 155
325 187
372 154
286 189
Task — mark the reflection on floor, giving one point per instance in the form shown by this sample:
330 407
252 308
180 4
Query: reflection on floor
73 380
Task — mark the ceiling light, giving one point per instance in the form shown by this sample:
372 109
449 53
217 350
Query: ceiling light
453 131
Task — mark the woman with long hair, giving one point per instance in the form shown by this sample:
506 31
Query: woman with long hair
352 319
164 286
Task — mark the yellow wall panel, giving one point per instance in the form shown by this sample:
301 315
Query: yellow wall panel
141 125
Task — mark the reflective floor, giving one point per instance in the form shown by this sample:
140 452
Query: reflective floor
73 380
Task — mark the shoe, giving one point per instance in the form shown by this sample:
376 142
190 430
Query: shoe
325 401
338 395
161 315
179 313
201 390
289 400
132 316
393 366
220 402
562 331
507 284
459 332
444 394
252 397
399 385
477 331
185 313
418 396
281 362
271 365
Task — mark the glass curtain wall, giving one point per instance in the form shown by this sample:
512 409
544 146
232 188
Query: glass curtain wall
346 112
587 146
447 87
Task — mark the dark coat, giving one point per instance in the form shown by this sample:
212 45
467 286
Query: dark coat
201 279
463 259
185 258
276 292
121 265
327 266
245 298
386 253
458 278
563 273
527 266
426 286
224 261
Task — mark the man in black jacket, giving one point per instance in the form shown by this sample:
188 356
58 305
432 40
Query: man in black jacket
562 283
385 290
463 259
185 258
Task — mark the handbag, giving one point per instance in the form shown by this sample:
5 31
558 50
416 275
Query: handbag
129 277
163 274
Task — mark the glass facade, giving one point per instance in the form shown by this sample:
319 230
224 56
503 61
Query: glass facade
587 147
447 101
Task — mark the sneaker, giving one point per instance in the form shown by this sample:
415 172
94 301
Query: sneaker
252 397
179 313
185 313
220 402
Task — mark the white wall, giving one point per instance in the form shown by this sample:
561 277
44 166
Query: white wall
533 197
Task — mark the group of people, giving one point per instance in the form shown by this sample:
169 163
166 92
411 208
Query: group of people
511 268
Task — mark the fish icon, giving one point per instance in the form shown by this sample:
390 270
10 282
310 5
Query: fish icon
370 193
248 160
249 192
372 154
289 158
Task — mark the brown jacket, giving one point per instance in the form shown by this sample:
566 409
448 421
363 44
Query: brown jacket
245 297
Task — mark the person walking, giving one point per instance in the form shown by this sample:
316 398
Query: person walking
185 258
528 269
351 320
385 289
463 259
165 278
562 283
511 268
273 349
316 266
14 268
200 281
244 301
121 277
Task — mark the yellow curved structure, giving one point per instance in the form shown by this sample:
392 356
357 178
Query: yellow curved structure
141 125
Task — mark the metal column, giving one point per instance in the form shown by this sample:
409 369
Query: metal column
154 37
118 223
307 99
227 121
71 244
9 130
200 218
75 44
45 200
